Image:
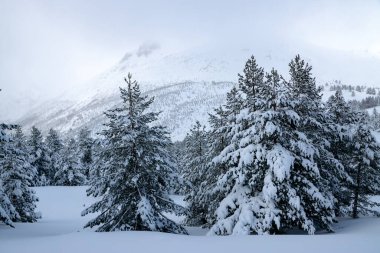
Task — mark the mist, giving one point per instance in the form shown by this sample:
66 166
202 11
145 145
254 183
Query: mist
49 47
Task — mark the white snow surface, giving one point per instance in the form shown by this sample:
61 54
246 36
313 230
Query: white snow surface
61 230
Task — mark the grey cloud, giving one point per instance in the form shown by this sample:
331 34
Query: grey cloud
147 49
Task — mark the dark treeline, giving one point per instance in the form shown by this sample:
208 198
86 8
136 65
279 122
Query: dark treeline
274 158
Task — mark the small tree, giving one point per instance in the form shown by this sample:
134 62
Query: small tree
16 175
364 168
54 147
40 159
195 172
85 143
7 210
136 177
70 171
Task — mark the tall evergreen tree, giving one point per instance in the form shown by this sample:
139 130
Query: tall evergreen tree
317 126
251 82
359 153
365 170
342 117
16 176
40 159
272 181
137 172
195 172
54 146
69 169
85 149
7 210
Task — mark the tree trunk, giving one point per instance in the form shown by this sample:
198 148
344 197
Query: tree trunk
356 195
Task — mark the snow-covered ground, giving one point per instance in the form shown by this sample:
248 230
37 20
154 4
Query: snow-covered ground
61 230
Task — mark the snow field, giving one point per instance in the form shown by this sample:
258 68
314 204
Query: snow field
61 230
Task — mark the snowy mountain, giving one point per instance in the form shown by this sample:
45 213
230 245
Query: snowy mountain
187 85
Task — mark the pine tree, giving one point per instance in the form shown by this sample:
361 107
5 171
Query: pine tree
137 170
365 170
251 82
318 127
85 149
16 175
359 152
375 119
54 146
272 181
40 159
341 117
69 169
7 210
194 174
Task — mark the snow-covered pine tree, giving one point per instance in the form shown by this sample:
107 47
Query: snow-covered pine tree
375 119
364 168
195 172
7 210
251 83
359 152
54 146
85 149
96 170
272 180
317 126
69 168
137 170
16 176
341 119
40 159
177 151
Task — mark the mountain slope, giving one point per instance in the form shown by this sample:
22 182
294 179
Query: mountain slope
181 105
186 85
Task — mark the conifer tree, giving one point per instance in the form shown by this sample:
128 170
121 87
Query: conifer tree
364 168
318 127
136 171
272 181
375 119
85 143
359 153
251 82
40 159
7 210
341 117
54 146
69 169
16 175
195 172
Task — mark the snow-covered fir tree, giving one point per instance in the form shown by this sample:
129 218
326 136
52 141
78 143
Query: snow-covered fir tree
221 122
16 176
375 119
7 210
85 143
54 146
136 171
364 168
69 167
342 118
194 174
272 182
40 158
317 126
359 152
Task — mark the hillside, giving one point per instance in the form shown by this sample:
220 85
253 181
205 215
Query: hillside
186 86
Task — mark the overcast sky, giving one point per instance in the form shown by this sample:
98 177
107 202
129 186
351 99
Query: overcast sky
49 46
